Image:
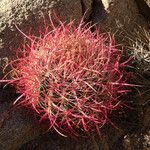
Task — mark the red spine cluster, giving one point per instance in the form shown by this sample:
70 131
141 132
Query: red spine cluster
72 77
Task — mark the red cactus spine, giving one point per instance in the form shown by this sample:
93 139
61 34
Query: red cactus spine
71 76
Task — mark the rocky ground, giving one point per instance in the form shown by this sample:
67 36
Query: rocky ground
129 21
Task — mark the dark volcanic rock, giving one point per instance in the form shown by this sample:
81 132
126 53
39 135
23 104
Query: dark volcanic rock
16 128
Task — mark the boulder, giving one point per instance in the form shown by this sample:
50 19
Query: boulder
122 14
17 125
16 128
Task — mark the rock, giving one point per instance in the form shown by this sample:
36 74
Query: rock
144 8
56 142
147 2
16 128
98 12
17 125
119 15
